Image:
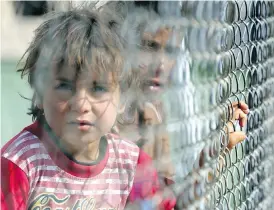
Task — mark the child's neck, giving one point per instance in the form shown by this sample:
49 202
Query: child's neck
87 155
90 155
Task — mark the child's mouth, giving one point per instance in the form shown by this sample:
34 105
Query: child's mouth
82 124
153 85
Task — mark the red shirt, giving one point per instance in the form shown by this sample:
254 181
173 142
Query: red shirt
35 173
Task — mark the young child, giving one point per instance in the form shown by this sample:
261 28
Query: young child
68 159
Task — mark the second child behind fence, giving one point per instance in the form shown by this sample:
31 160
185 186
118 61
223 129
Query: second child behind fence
154 63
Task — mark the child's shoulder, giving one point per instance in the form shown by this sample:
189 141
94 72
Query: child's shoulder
20 140
118 139
24 143
123 145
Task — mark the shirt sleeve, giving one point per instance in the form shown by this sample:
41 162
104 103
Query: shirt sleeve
146 184
14 186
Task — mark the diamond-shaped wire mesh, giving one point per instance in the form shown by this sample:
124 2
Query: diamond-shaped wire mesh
230 49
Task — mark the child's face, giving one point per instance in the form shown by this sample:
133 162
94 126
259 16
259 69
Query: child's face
156 64
80 109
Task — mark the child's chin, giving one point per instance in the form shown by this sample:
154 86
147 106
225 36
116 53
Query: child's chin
81 138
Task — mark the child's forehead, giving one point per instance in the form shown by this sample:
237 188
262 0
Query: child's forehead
163 36
84 74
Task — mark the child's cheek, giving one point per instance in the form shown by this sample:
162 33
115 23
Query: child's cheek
168 64
108 111
55 104
56 116
54 108
62 107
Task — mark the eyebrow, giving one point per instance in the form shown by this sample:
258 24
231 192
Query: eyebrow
62 79
158 45
93 82
100 82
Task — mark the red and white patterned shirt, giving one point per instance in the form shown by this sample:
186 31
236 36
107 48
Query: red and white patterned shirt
37 175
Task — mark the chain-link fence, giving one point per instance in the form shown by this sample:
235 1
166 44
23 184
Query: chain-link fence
230 46
227 55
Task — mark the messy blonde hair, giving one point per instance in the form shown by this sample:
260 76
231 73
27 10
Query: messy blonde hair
80 38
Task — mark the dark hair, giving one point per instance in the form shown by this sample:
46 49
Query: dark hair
149 5
73 37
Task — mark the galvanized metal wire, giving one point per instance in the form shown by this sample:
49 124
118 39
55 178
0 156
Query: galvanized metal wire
230 51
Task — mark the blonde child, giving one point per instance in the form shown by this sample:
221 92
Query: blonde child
68 158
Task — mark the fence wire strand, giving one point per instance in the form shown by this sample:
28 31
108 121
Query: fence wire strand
230 47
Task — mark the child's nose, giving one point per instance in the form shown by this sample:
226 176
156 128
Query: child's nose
159 70
81 102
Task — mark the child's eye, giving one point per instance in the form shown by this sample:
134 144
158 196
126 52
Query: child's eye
150 45
99 89
172 50
64 86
